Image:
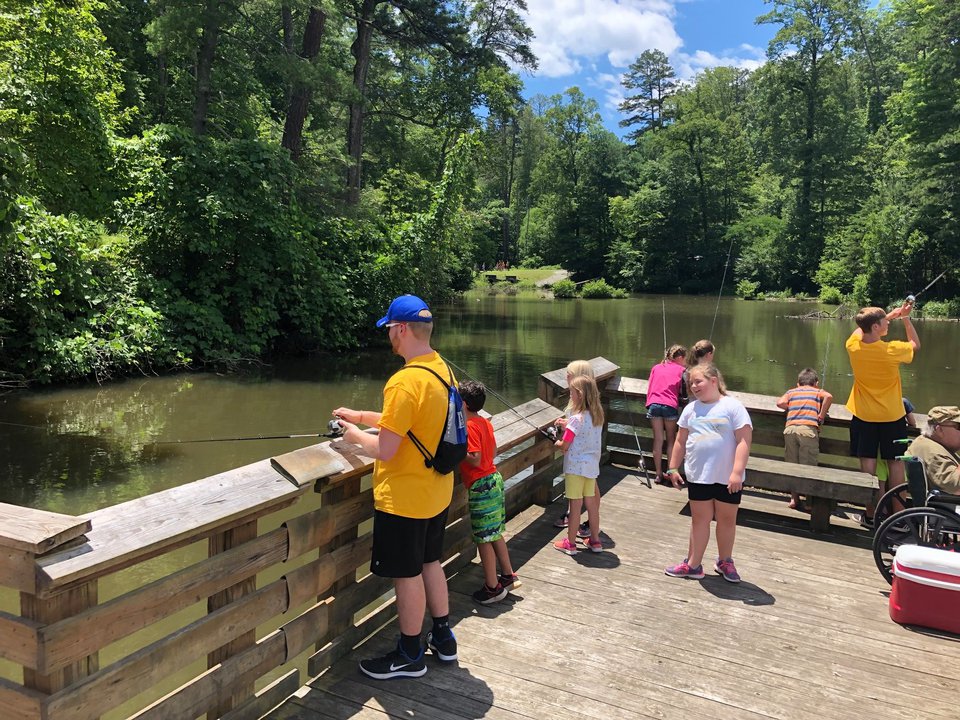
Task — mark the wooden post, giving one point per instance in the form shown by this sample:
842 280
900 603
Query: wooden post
217 544
543 493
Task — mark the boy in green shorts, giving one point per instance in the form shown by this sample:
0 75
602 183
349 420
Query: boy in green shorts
485 498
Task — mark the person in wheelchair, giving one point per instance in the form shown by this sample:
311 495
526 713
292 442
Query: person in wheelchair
937 448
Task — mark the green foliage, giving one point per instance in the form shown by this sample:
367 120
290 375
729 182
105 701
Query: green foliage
941 308
240 267
747 289
830 295
73 305
58 100
565 288
601 289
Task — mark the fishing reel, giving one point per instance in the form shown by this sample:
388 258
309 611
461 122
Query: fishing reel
552 432
336 428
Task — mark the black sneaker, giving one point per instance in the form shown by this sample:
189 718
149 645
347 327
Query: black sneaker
445 650
486 595
510 582
394 664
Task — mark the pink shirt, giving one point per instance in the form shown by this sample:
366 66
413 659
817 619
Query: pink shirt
664 385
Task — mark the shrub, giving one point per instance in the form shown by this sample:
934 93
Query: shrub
601 289
565 288
747 289
830 295
941 308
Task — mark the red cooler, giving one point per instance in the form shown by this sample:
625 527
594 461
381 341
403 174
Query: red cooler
926 588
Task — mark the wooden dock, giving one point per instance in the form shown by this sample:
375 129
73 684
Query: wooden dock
805 636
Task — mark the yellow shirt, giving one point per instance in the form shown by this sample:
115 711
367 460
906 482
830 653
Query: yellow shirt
413 400
877 395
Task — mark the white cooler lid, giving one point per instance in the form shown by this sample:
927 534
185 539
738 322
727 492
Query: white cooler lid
926 558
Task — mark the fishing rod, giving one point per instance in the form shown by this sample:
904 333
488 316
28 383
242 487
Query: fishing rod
549 435
720 294
336 431
913 298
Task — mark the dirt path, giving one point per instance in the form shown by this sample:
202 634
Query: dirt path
554 277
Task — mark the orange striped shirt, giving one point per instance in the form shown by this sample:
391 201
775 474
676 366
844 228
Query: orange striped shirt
803 405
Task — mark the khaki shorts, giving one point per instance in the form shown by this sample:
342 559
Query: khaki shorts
801 444
577 487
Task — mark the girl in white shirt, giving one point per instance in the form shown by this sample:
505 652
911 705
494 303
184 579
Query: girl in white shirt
714 442
581 445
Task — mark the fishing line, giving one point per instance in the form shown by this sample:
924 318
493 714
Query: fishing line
633 426
502 399
663 309
720 294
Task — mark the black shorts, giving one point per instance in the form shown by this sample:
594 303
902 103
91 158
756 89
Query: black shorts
402 545
713 491
869 438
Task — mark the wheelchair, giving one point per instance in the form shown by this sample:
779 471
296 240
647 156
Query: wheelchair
914 514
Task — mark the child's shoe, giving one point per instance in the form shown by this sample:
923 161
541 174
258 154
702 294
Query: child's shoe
565 546
683 570
594 545
395 664
487 595
510 582
562 521
726 568
584 530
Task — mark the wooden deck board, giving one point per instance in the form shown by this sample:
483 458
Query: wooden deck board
607 636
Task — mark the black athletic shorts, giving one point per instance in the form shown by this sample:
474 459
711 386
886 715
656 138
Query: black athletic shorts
402 545
869 438
713 491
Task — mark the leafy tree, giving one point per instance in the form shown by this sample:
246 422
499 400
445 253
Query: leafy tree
653 82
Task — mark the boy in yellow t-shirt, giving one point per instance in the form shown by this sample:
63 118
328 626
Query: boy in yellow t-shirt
876 399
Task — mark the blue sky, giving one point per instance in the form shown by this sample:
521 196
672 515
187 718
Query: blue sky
590 43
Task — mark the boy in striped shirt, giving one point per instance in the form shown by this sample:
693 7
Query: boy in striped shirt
806 406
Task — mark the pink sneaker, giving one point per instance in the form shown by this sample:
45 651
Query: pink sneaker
595 546
565 546
683 570
727 569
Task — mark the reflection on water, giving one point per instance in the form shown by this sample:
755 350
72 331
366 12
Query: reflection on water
79 448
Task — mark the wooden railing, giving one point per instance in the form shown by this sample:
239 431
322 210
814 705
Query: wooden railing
283 577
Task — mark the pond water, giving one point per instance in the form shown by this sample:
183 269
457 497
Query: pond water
79 448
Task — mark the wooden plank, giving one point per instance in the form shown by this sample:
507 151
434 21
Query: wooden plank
309 464
133 531
603 370
810 480
70 639
213 687
268 698
18 570
220 543
317 577
20 703
18 640
539 451
37 531
317 528
46 611
306 629
117 683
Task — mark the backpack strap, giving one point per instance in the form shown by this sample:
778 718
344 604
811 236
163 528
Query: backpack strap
427 455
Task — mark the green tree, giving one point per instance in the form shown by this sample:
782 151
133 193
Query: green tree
652 81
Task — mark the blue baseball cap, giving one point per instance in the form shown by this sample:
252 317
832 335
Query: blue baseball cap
406 308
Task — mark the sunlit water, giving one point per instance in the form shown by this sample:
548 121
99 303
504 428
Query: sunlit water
80 448
90 446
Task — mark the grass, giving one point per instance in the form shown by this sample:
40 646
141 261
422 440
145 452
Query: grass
526 285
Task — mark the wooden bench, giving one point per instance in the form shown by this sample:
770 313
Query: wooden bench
512 279
491 278
821 486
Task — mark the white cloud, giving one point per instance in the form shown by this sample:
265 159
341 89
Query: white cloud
569 32
688 65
